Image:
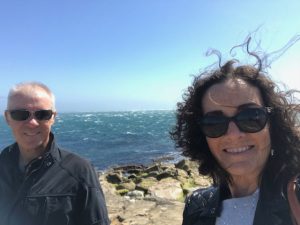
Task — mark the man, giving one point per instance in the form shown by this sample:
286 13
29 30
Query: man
41 184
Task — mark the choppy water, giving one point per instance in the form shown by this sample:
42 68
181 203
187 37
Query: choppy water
112 138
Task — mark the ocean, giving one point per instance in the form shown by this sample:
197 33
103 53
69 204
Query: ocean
110 139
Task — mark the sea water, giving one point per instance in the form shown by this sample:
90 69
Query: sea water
112 138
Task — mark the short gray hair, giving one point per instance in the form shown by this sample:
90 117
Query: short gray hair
20 86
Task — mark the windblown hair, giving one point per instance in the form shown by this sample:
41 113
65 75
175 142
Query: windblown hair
284 123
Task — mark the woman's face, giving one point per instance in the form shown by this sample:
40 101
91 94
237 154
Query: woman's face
239 153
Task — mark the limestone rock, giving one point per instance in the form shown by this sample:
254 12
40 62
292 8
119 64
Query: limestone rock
150 195
168 188
136 194
155 167
114 178
202 181
187 165
146 183
129 185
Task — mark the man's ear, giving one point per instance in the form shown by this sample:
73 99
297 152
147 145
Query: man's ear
53 117
7 118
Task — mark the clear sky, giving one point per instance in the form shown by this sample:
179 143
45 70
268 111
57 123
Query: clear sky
102 55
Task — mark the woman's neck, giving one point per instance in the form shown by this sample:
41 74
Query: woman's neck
240 187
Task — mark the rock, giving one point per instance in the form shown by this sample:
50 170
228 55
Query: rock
114 178
134 171
122 191
166 174
169 171
153 168
146 183
153 174
136 194
168 188
182 175
152 202
188 186
202 181
184 165
163 159
129 167
129 185
132 176
117 220
167 166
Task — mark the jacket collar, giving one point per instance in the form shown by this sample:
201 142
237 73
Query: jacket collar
205 202
272 208
274 212
45 160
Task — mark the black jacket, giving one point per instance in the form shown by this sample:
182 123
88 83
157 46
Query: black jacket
204 206
59 188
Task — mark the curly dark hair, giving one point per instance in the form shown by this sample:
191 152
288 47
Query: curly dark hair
284 123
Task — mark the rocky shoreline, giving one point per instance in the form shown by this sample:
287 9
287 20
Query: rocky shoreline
150 195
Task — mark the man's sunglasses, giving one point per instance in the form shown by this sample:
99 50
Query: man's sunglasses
23 114
249 120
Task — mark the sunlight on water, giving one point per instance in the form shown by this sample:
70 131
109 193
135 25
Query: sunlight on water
112 138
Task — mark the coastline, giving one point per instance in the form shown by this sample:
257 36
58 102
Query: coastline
150 194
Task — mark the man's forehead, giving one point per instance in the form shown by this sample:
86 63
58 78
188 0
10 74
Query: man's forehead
31 92
28 96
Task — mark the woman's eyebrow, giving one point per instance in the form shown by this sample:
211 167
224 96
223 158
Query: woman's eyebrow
239 107
247 105
215 112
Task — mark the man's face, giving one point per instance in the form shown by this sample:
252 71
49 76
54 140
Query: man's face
31 135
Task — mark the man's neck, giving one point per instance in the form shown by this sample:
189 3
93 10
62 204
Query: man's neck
27 155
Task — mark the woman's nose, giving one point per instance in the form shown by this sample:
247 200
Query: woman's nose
233 129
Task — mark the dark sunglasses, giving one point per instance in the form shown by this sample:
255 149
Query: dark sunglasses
23 114
249 120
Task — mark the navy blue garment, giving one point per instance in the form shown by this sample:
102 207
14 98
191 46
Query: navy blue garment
58 188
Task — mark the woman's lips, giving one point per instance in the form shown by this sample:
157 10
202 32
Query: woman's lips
238 149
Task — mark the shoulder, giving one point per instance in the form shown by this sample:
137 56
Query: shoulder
201 199
67 158
3 157
79 168
4 152
7 153
70 159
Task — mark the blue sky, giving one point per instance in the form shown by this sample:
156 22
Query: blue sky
102 55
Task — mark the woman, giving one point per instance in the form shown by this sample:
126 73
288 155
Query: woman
243 131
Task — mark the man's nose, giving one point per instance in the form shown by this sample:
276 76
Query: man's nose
32 121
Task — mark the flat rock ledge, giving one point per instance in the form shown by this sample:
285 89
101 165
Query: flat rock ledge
150 195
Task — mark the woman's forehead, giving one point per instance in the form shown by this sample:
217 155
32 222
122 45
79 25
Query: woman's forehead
230 93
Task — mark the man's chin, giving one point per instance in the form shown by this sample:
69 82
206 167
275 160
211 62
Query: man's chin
32 147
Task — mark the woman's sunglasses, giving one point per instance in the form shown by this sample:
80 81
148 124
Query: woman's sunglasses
23 114
249 120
